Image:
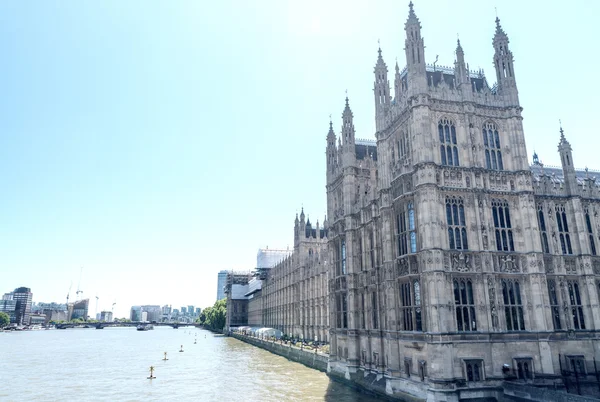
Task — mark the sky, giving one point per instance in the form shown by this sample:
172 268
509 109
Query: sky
150 144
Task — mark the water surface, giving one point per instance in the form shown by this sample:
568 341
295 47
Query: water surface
112 364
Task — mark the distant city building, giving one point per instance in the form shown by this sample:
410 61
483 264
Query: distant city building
22 297
40 307
191 311
55 315
78 310
37 319
135 313
183 311
268 258
221 282
166 313
9 306
144 316
52 311
106 316
153 313
198 311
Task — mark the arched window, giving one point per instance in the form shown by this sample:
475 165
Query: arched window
502 225
457 227
491 142
513 305
576 305
406 236
543 232
588 224
465 305
563 230
410 306
448 144
554 303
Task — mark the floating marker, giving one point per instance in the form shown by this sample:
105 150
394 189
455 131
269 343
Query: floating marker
165 358
181 350
151 373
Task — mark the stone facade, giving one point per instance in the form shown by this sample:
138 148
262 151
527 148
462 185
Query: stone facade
450 257
236 288
294 292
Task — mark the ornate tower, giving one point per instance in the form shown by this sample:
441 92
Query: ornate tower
331 151
503 62
415 53
381 90
568 167
461 73
348 143
397 83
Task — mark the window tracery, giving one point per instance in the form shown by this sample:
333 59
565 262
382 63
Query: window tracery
448 143
491 142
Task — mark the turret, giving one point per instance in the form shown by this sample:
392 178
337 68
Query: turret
415 53
566 160
381 90
461 73
348 128
397 84
296 230
331 150
503 62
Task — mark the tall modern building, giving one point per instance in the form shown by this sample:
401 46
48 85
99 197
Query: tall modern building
221 282
452 258
9 306
106 316
135 313
78 309
23 297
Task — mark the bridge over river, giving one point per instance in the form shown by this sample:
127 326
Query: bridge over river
101 325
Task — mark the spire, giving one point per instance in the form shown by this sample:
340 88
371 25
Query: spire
503 60
381 90
331 148
302 215
568 165
330 133
412 17
348 126
563 140
397 83
415 52
461 72
500 34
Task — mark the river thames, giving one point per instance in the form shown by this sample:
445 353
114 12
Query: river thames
113 364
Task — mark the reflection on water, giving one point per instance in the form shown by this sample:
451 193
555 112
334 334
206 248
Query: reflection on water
113 363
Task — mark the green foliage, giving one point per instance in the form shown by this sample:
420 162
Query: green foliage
4 319
214 317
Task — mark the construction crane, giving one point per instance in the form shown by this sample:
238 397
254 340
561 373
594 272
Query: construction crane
112 310
69 292
97 305
79 283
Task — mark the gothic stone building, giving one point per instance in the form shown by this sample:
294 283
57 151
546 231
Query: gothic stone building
452 257
294 292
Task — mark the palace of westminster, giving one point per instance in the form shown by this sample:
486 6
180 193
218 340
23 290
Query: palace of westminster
445 257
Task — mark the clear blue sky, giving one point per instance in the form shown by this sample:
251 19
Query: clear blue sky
155 143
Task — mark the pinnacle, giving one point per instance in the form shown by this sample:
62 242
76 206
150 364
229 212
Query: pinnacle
412 17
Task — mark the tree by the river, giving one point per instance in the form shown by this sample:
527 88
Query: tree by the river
4 319
214 317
